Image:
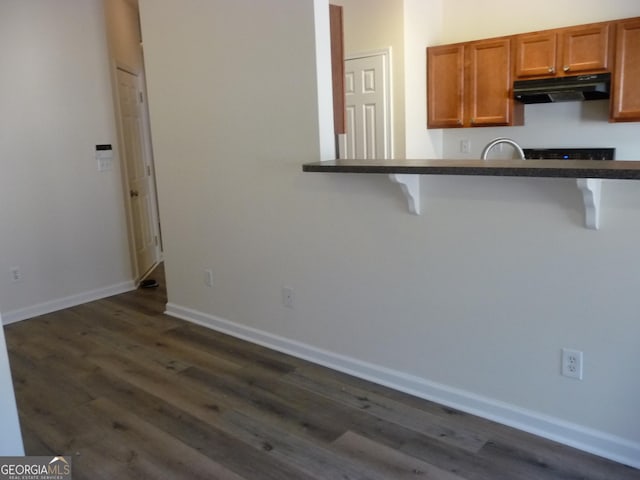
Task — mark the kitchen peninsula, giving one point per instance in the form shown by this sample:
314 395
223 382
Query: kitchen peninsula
588 174
611 169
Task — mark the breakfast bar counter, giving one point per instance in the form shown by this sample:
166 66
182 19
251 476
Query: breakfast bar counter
612 169
406 173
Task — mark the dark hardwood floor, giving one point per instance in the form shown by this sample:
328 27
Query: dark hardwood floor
131 393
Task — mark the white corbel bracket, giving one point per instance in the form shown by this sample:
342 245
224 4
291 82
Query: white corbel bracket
591 189
410 185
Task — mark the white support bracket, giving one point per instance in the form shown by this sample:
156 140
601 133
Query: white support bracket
591 189
410 185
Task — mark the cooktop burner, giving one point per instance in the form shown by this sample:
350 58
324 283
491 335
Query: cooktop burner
570 153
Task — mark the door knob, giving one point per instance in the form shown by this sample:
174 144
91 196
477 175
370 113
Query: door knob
133 193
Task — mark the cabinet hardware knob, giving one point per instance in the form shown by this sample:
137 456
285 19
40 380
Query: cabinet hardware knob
552 70
566 68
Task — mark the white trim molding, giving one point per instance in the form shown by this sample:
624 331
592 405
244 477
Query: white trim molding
577 436
66 302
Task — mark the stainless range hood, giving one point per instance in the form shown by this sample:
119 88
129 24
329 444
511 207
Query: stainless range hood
563 89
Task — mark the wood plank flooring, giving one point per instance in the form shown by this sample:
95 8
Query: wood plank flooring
131 393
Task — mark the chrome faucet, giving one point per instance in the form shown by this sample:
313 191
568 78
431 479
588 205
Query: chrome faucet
497 141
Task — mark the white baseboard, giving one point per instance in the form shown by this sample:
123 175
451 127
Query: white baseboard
571 434
66 302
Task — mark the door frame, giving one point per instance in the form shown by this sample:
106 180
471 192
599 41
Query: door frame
386 54
148 152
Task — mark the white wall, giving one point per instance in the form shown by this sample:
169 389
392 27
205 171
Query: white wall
10 436
469 19
422 27
468 304
63 221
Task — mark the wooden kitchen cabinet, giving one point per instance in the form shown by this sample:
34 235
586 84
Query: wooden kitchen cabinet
625 102
564 51
489 100
445 86
469 85
535 54
585 49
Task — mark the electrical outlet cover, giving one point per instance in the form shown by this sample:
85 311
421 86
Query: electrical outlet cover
208 277
287 297
16 274
572 363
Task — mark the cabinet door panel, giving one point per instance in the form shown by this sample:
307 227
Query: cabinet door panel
489 80
535 55
625 104
584 49
445 86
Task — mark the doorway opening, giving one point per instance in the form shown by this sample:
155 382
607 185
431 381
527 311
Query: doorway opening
138 173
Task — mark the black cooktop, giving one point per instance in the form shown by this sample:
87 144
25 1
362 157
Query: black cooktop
570 153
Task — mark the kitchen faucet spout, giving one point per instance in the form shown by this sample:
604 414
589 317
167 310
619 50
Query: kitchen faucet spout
498 141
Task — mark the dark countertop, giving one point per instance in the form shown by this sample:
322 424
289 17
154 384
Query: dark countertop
614 169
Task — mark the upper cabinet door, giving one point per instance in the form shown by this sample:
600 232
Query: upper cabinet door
625 103
471 84
564 51
584 49
535 55
445 86
489 82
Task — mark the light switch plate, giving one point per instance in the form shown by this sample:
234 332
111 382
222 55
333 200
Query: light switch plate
104 157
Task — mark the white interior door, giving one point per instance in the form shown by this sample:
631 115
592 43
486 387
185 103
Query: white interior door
137 163
368 108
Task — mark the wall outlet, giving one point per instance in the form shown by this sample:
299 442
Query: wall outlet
287 297
208 277
16 274
572 363
465 146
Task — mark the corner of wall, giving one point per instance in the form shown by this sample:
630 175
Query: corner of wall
10 435
324 83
